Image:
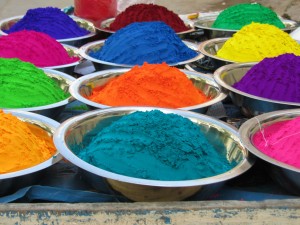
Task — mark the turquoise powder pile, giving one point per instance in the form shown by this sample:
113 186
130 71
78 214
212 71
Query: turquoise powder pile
153 145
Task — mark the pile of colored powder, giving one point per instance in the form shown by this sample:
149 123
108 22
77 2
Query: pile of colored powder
257 41
24 85
152 42
280 141
35 47
51 21
153 145
151 84
237 16
147 13
273 78
22 145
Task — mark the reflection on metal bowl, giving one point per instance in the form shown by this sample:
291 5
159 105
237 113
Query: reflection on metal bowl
205 23
83 87
102 65
223 136
76 41
104 27
286 175
10 182
250 105
52 110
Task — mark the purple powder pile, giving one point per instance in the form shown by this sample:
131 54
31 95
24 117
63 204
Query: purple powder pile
51 21
274 78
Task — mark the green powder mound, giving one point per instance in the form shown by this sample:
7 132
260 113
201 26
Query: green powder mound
153 145
23 85
237 16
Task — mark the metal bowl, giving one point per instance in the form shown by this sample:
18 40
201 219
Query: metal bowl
250 105
10 182
206 23
83 87
286 175
223 136
102 65
104 27
52 110
76 41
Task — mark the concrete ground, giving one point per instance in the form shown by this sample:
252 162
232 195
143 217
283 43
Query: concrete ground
288 8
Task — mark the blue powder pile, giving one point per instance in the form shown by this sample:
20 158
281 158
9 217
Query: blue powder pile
51 21
152 42
153 145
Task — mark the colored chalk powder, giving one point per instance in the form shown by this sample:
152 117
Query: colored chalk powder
280 141
23 145
34 47
139 42
153 145
23 85
147 13
273 78
151 84
237 16
51 21
257 41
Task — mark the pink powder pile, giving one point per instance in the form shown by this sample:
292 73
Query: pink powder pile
35 47
280 141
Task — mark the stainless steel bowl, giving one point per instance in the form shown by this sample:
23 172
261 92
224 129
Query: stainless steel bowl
52 110
223 136
6 24
286 175
83 87
11 182
250 105
102 65
206 23
104 27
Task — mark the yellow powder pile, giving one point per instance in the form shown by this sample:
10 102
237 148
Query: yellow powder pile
22 145
257 41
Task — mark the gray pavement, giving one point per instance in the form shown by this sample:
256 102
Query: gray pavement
287 8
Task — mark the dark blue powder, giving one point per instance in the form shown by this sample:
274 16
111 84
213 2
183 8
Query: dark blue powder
152 42
51 21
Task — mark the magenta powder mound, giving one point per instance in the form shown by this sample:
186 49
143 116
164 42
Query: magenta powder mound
280 141
35 47
274 78
51 21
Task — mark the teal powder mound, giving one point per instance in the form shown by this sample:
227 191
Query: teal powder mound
152 42
153 145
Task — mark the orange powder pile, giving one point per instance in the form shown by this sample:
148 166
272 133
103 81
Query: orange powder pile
150 85
22 145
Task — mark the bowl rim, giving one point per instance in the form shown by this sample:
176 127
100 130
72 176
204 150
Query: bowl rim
75 18
212 18
75 86
83 49
51 161
101 28
59 142
53 105
217 77
249 124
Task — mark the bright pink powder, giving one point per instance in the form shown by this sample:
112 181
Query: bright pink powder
35 47
280 141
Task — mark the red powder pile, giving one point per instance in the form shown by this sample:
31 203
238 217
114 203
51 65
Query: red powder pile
35 47
147 13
